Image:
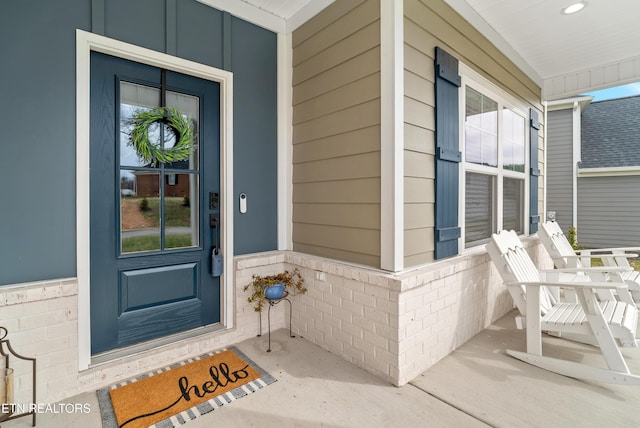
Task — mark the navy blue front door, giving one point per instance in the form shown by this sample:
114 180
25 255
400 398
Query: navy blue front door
151 223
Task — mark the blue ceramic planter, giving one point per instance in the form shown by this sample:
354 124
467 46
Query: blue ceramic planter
275 291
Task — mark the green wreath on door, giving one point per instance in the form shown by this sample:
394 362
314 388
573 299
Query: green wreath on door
154 154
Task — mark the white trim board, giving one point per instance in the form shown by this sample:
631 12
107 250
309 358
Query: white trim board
392 135
609 172
85 44
268 20
285 147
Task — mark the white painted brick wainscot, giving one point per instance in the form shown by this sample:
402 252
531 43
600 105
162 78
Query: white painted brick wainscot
394 326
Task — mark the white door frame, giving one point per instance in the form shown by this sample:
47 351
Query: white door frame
86 43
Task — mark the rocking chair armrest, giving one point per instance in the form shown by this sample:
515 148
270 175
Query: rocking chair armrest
596 269
599 285
610 252
599 256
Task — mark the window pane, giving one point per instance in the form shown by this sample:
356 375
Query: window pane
514 141
479 207
481 125
139 211
189 106
512 204
133 99
181 210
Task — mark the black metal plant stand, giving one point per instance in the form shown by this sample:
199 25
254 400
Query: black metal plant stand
6 351
273 302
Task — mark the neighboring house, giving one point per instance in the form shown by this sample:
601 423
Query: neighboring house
377 145
593 169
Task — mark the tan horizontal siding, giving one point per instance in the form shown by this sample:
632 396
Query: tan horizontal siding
419 259
353 240
419 190
421 89
418 165
362 140
332 14
359 66
421 42
332 253
416 62
419 139
361 191
356 117
365 165
361 41
359 17
413 240
419 114
362 216
418 216
350 95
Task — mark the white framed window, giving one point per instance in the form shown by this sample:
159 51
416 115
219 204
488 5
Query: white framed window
493 173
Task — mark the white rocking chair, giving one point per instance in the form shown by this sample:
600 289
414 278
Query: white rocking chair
564 256
603 323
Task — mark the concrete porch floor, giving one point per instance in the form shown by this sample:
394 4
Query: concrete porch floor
477 385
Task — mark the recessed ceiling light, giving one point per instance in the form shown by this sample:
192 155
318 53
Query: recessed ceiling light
573 8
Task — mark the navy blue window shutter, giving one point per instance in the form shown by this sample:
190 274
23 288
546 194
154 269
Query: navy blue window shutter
447 85
534 127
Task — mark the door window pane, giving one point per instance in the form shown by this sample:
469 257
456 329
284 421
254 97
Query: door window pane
133 99
481 129
139 211
479 207
189 106
513 204
181 210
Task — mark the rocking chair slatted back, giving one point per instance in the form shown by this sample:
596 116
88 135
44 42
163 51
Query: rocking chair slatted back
517 268
564 256
557 244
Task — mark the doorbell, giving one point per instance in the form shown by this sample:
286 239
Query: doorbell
243 203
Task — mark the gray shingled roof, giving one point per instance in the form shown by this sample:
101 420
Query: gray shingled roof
611 133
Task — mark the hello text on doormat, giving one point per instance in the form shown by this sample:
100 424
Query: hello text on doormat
184 391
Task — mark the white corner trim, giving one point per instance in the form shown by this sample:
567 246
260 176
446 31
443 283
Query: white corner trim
577 156
83 105
285 149
545 145
85 44
392 135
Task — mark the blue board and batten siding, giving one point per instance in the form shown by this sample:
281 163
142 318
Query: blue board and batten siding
37 117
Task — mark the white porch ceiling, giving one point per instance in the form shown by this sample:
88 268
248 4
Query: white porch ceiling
596 48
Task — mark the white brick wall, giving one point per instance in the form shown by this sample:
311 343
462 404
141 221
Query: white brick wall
394 326
397 326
